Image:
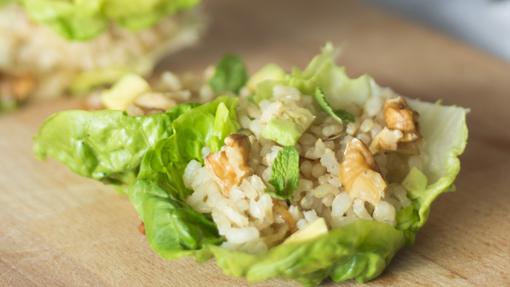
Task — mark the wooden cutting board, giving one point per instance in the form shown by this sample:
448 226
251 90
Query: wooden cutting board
58 229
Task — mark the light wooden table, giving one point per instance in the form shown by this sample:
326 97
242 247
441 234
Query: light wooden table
57 229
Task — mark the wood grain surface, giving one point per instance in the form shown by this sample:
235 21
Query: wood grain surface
57 229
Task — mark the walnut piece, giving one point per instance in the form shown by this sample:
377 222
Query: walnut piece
230 165
386 139
19 87
141 228
399 116
359 173
23 86
280 207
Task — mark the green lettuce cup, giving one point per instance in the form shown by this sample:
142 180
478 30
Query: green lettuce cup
51 48
304 176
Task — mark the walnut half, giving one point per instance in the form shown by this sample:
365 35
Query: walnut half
230 165
359 173
399 116
386 139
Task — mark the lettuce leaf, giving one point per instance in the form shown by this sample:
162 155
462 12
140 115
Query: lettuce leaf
173 228
115 148
104 145
445 136
359 251
341 92
339 115
4 2
270 72
84 20
211 123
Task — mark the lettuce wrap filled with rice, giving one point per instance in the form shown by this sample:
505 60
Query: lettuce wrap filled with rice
305 175
52 47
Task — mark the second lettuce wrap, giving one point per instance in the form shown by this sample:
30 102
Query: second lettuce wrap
52 48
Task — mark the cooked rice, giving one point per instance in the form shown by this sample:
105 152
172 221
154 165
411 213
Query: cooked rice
252 221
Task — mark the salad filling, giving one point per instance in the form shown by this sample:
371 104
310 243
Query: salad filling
138 96
302 175
57 62
292 165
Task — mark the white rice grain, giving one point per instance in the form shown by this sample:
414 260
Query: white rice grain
328 160
310 216
318 170
306 168
373 106
190 172
331 130
245 122
242 235
341 204
206 94
323 190
360 209
366 125
352 128
328 200
307 139
385 212
295 212
171 81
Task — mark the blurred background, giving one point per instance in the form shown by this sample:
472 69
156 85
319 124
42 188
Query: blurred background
58 229
482 23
